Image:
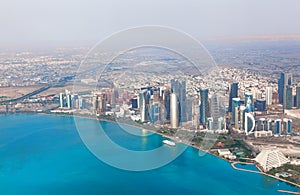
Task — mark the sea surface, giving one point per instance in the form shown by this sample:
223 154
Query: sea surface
43 154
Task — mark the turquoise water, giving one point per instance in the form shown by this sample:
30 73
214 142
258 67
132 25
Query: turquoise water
43 154
247 167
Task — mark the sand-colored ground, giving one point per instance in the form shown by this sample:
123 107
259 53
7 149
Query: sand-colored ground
56 90
15 92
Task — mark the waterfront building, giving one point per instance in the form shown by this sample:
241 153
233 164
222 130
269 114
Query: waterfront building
166 100
174 114
204 106
271 158
249 102
210 121
75 102
269 94
287 126
215 110
195 113
242 117
235 106
236 117
69 101
142 104
249 123
179 88
221 123
134 103
80 102
154 112
277 129
234 87
61 100
101 104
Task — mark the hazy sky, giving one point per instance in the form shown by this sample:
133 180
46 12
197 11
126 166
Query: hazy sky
92 20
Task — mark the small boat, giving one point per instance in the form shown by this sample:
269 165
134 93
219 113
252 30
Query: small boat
168 142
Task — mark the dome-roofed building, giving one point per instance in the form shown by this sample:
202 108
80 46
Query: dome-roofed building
271 158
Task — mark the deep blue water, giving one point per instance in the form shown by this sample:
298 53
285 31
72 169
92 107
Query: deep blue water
43 154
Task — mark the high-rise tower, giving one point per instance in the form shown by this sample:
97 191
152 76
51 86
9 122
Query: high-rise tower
284 81
174 115
269 95
234 87
249 102
235 106
204 106
179 88
298 97
289 98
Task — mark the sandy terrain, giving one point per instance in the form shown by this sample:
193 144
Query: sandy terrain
14 92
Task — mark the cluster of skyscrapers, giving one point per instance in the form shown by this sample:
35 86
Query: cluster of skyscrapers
169 105
163 104
244 108
69 101
285 92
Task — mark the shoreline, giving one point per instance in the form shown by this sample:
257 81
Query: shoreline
232 163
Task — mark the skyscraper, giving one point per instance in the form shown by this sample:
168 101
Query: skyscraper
284 80
210 125
242 117
235 106
234 87
61 100
249 102
281 88
69 101
101 103
289 98
142 104
298 97
204 106
179 88
287 126
154 112
277 126
166 98
269 93
195 113
221 123
134 102
174 114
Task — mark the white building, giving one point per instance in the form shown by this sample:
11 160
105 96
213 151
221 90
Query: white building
269 93
271 158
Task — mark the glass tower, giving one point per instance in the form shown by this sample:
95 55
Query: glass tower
289 98
249 102
204 106
234 87
298 97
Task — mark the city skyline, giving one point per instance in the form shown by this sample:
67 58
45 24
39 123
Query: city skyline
154 97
